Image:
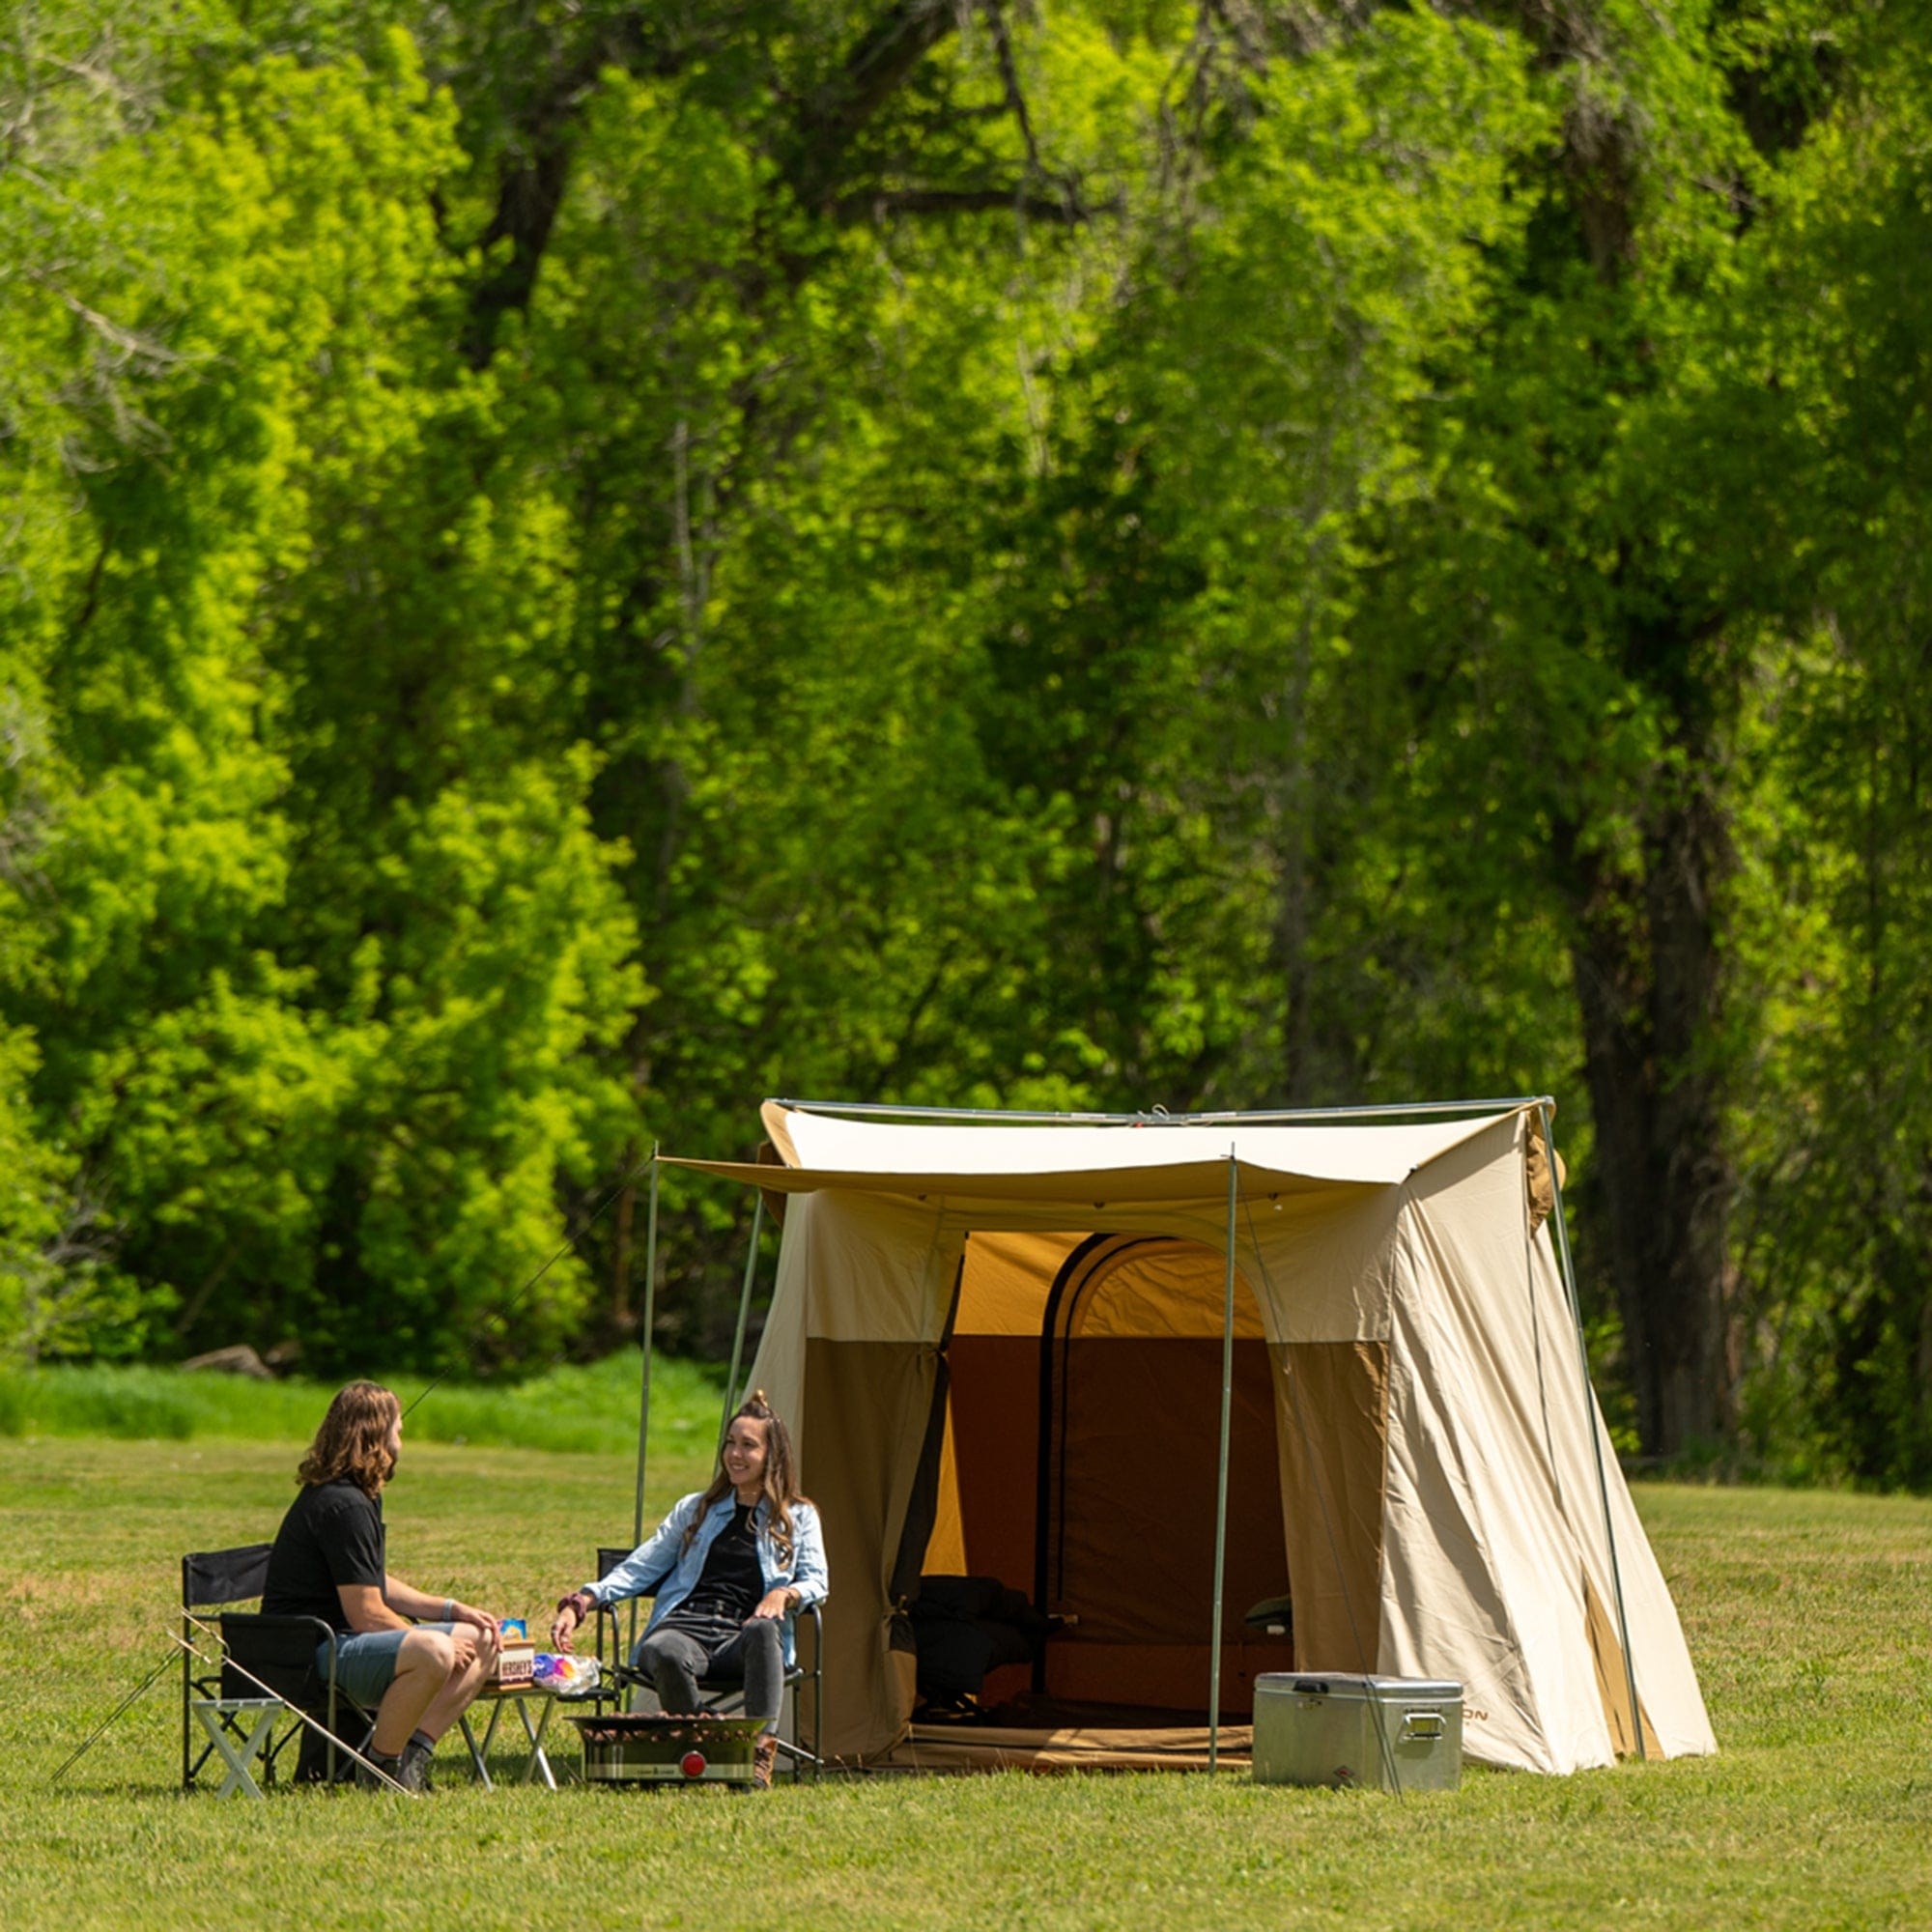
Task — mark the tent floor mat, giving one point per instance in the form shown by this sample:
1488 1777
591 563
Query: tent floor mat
1081 1745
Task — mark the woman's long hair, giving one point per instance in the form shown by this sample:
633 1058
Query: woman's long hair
780 1486
353 1440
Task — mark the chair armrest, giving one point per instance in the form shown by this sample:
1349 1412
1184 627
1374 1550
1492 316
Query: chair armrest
275 1637
816 1612
278 1649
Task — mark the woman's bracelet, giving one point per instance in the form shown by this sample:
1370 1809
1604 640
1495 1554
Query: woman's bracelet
449 1609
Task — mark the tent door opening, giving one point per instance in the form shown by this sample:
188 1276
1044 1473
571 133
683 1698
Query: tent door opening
1080 1464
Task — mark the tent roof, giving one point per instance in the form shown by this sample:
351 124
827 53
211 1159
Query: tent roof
1131 1159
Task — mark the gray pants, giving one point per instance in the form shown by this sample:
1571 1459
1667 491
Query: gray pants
674 1660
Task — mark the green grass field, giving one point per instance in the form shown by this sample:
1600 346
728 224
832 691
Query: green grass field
587 1407
1808 1616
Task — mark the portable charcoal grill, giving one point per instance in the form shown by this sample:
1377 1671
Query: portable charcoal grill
663 1749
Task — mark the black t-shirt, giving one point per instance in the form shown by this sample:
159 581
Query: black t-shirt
331 1535
731 1583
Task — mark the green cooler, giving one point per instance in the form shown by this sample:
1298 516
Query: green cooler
1381 1733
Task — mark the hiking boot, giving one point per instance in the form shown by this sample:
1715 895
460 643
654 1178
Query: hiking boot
417 1759
393 1766
763 1757
312 1759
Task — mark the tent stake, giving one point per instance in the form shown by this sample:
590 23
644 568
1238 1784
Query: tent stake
1221 1487
1545 1111
743 1311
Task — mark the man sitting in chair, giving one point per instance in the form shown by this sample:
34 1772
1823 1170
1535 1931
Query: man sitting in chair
729 1568
328 1561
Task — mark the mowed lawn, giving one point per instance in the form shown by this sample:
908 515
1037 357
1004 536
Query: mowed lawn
1807 1613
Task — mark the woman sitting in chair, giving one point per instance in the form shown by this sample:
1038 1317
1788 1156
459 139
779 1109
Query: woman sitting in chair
729 1567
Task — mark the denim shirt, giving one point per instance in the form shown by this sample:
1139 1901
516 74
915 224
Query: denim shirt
663 1565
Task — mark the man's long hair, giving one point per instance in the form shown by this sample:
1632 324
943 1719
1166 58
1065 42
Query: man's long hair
353 1440
781 1487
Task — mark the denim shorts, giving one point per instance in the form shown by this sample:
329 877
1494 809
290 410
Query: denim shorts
365 1662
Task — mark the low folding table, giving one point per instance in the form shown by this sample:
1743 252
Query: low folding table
497 1696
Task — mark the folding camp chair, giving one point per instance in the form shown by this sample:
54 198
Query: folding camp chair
267 1672
725 1694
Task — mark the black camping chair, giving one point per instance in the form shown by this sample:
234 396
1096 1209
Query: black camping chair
725 1694
267 1672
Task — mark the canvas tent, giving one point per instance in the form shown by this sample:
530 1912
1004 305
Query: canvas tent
1020 1350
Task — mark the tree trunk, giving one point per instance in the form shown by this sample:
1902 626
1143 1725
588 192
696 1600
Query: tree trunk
1648 978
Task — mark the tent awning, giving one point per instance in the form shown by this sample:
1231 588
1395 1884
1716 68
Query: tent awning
1129 1162
1194 1180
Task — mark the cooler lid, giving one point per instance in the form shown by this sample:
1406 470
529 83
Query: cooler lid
1346 1683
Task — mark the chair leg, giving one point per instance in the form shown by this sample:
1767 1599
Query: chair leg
194 1774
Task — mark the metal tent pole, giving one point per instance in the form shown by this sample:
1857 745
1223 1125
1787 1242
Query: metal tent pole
650 1320
1545 1110
743 1311
881 1110
1221 1485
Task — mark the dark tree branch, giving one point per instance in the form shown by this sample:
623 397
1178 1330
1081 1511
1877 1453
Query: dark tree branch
876 204
877 67
1010 80
534 179
538 174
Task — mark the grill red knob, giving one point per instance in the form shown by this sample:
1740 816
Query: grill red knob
692 1764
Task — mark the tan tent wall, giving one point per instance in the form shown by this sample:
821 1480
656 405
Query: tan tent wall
1484 1555
1673 1704
1332 1430
852 1267
854 1374
1325 1266
860 1478
1496 1466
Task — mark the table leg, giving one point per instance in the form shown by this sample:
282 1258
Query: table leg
476 1763
539 1764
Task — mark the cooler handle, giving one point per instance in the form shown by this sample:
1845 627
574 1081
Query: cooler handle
1418 1725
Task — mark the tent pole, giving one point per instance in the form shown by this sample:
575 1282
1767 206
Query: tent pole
743 1311
1543 1112
1221 1484
650 1320
1159 1117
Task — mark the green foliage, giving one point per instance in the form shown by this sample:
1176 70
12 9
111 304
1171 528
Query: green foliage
564 569
1838 1238
316 1042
